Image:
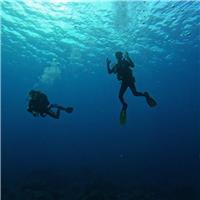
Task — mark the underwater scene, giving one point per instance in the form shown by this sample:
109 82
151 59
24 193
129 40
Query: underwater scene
100 100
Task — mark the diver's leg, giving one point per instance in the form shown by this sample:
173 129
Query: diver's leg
55 115
122 90
134 90
151 102
68 109
56 106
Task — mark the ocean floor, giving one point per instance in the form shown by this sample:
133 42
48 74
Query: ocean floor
54 185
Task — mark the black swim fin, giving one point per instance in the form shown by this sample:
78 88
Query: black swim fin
151 102
69 109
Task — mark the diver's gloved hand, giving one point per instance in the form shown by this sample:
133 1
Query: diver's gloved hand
126 55
69 109
29 110
108 61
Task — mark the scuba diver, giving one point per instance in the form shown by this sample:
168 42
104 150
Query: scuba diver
40 106
124 73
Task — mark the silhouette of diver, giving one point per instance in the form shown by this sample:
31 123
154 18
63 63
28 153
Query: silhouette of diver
39 105
124 73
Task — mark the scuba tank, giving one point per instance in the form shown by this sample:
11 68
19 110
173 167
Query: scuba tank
123 71
38 101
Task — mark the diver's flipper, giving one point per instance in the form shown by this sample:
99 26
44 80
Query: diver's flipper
151 102
69 109
123 118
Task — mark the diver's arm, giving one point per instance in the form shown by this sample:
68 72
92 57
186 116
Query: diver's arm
110 71
108 65
29 109
35 114
129 59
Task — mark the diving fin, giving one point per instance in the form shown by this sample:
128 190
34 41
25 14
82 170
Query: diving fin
123 117
69 109
151 102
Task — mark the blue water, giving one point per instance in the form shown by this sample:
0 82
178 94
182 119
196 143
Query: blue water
60 48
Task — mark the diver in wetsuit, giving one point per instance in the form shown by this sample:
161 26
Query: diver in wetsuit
40 106
123 69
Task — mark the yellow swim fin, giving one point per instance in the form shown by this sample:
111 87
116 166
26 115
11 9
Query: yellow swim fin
123 117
